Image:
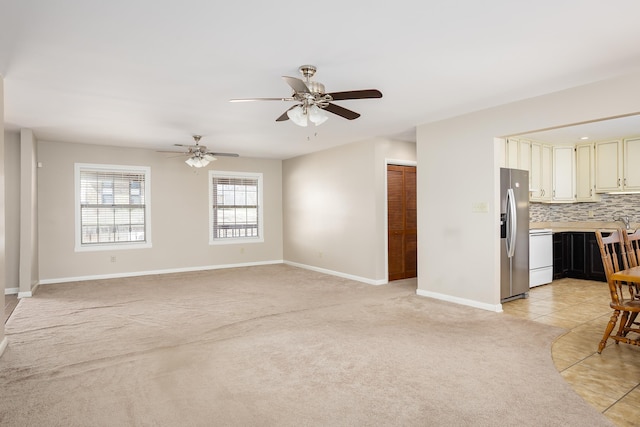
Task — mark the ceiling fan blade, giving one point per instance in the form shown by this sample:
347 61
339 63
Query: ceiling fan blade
285 116
356 94
222 154
260 99
175 153
341 111
296 84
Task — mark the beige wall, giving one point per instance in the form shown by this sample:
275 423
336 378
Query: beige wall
12 209
334 208
3 340
29 270
459 256
179 215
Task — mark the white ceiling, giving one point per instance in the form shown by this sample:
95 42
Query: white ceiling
150 73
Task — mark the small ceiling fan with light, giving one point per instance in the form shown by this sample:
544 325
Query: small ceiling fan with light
313 101
198 156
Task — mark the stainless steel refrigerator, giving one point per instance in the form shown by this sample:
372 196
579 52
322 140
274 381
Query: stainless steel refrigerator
514 234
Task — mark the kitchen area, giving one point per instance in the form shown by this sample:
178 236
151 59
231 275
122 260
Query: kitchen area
575 249
580 179
562 242
558 240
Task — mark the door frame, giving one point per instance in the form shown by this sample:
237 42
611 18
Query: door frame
387 162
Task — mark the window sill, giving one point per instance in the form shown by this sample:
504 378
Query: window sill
236 241
112 246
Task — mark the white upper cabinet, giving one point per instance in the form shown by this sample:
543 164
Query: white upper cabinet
516 154
541 172
617 165
585 173
631 164
512 153
574 173
564 174
524 154
608 166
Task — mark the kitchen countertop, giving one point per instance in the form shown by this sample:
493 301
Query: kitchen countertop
581 226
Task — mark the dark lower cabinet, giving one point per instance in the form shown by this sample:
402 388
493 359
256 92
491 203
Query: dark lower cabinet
576 255
577 263
595 268
559 255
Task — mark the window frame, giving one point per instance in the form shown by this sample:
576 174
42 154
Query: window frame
93 167
235 175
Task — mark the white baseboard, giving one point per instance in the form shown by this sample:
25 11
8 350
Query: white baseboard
3 345
149 273
30 293
14 291
338 274
463 301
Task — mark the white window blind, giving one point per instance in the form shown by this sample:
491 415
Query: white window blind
235 207
112 206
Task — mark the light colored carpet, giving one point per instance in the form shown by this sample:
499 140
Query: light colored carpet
274 346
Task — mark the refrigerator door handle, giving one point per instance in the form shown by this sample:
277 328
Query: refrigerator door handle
511 223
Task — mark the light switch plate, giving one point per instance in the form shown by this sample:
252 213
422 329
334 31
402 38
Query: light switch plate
480 207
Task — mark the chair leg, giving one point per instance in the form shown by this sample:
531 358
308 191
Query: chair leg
623 323
632 319
607 332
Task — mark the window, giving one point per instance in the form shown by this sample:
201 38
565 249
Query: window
112 207
236 207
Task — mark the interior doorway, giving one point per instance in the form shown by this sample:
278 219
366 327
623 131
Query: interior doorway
402 246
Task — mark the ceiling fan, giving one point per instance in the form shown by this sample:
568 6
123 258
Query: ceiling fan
199 157
313 101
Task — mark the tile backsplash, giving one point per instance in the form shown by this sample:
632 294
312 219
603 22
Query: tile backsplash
611 205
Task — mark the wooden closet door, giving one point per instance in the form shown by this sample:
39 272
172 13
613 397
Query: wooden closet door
402 224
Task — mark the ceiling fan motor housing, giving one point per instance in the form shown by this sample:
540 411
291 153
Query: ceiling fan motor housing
315 87
307 70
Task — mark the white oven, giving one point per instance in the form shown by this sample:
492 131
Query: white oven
540 256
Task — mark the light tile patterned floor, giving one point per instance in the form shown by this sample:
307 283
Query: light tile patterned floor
609 381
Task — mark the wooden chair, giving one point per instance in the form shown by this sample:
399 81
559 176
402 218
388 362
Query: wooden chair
623 297
632 247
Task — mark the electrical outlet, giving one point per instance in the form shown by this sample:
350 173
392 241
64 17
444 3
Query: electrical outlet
319 254
113 259
591 214
241 250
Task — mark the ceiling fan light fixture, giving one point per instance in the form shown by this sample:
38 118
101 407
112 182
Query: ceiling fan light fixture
197 162
297 116
198 156
317 115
